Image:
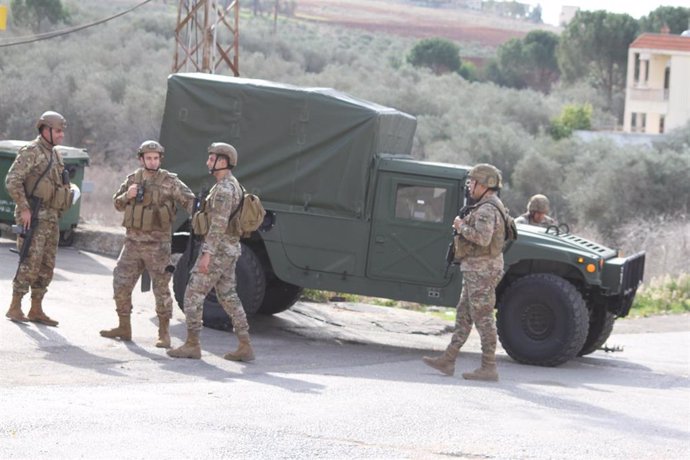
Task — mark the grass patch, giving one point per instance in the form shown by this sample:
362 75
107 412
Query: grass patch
664 295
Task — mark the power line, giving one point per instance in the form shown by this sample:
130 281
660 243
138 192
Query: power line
58 33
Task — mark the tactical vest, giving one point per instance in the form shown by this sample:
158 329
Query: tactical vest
48 186
154 212
201 220
465 248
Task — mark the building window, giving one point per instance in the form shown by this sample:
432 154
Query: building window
637 68
662 120
638 122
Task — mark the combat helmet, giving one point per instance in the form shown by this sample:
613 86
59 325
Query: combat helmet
226 150
52 120
538 203
150 146
487 175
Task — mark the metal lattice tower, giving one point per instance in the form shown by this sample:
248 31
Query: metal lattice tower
207 36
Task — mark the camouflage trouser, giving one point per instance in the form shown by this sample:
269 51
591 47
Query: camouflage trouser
221 275
36 272
135 256
476 305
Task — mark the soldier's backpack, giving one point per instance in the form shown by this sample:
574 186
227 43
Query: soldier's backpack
251 213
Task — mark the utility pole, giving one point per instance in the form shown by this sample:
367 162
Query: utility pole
207 36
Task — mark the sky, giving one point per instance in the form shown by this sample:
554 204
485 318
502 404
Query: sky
551 9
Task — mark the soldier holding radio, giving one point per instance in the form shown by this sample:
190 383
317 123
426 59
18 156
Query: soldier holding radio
148 198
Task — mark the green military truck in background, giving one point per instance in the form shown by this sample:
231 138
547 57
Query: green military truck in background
349 210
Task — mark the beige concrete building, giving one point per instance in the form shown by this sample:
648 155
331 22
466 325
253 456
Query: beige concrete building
657 96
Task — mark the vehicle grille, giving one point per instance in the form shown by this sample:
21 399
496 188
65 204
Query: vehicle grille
633 272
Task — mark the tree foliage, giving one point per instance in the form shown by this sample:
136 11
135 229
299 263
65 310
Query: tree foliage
438 54
33 13
573 117
676 18
527 63
594 46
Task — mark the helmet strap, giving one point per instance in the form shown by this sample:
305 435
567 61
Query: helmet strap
215 161
50 141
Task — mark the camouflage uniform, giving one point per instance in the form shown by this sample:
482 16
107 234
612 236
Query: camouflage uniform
526 218
479 248
36 272
222 242
147 246
484 228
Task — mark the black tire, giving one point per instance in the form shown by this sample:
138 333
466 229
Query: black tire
600 328
251 285
279 296
542 319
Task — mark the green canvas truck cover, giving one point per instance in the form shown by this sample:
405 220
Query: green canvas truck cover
304 148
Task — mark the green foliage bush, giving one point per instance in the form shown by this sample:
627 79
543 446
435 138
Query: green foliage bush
573 117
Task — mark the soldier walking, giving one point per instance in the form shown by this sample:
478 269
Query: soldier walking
148 198
537 212
40 189
215 266
481 236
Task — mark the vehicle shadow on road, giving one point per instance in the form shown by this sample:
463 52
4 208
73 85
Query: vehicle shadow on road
58 349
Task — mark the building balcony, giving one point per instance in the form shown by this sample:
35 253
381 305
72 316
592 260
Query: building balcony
648 94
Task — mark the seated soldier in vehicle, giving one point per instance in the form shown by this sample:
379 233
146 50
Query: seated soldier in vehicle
537 212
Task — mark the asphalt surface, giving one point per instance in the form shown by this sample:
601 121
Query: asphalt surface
335 380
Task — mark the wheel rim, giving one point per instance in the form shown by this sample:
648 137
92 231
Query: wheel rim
537 321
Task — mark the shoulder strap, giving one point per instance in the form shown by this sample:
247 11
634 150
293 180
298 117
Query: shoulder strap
239 206
50 163
503 216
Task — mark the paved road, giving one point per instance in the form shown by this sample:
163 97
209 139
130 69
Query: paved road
335 381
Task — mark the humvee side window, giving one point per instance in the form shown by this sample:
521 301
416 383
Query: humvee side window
416 202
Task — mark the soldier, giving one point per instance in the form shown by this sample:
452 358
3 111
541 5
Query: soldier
148 198
480 235
215 266
38 176
537 210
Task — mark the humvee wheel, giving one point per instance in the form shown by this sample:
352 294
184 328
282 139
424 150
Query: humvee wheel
279 296
542 319
600 327
251 283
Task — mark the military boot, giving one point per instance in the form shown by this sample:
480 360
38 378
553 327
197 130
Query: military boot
36 314
444 363
123 331
190 349
486 372
163 333
244 351
15 312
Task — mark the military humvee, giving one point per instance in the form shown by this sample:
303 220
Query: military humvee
349 210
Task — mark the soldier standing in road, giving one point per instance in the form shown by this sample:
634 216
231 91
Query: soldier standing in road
40 188
537 212
480 238
148 198
215 266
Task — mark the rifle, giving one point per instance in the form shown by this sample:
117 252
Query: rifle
192 237
28 234
462 213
